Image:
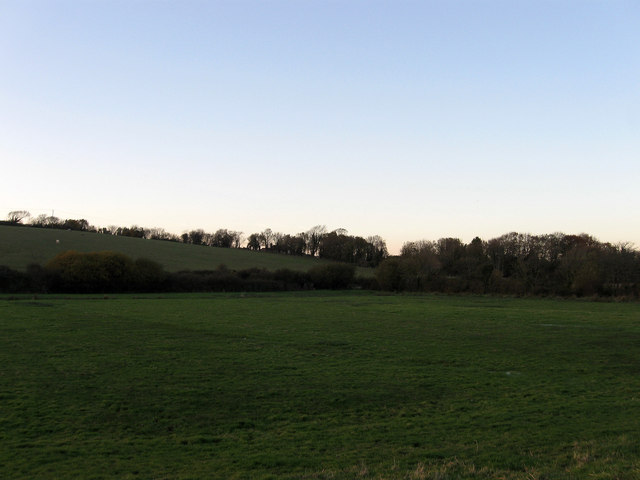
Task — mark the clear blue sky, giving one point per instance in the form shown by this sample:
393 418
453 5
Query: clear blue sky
410 120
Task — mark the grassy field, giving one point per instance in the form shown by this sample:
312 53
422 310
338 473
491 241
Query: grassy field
21 246
318 386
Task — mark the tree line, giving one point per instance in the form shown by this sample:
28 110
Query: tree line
113 272
515 263
318 242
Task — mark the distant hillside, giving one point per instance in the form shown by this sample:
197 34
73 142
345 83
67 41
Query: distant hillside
21 246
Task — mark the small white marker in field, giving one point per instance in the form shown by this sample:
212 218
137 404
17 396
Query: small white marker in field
57 241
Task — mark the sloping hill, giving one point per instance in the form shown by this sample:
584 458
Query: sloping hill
21 246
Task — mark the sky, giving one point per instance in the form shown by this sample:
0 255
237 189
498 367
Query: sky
405 119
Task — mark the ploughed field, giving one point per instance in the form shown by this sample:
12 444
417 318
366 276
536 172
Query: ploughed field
318 385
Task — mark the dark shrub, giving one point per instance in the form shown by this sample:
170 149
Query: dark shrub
149 276
95 272
291 279
12 281
390 274
336 276
366 283
224 280
39 280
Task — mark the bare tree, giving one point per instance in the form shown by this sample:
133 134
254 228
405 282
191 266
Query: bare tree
314 238
40 220
238 239
17 216
156 233
267 237
196 237
378 249
253 242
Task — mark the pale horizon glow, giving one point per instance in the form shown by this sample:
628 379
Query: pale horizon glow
409 120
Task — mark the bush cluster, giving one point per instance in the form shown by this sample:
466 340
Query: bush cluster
515 264
112 272
337 276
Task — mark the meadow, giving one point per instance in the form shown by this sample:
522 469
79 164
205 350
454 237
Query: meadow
22 246
318 385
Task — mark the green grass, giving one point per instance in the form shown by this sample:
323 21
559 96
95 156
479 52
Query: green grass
318 385
21 246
